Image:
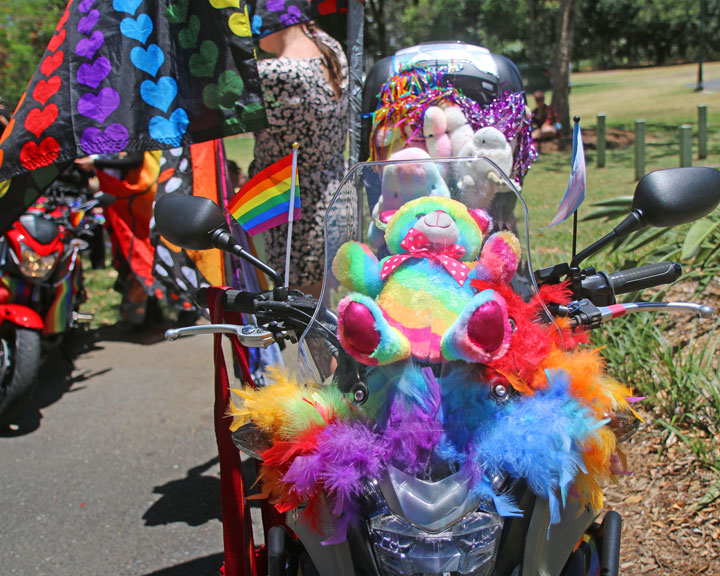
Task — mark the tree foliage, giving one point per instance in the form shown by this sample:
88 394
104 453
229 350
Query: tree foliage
609 33
26 27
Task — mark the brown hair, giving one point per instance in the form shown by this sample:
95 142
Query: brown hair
330 59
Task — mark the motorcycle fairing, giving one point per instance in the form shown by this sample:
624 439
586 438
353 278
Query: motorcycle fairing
20 316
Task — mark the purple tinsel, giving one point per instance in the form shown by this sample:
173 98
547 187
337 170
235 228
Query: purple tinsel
405 97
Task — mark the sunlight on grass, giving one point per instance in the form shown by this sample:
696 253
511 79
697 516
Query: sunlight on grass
663 95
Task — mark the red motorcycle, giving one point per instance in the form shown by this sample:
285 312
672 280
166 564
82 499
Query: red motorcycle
41 289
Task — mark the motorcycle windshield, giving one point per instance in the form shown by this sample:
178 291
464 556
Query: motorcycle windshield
426 262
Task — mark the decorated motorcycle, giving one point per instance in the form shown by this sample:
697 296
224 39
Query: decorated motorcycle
41 288
446 416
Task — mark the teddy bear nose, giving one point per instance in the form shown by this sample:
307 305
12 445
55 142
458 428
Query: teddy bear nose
438 219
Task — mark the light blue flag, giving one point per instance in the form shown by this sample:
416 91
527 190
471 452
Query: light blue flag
575 193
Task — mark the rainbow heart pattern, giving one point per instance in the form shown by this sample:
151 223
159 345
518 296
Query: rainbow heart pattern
126 75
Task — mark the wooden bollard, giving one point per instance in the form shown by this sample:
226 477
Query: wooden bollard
601 140
702 131
685 145
639 149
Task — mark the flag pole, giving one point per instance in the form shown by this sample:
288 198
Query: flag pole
576 121
291 214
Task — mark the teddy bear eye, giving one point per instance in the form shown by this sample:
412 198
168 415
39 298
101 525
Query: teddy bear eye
513 326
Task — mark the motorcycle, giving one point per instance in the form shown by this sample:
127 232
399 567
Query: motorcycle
41 288
445 417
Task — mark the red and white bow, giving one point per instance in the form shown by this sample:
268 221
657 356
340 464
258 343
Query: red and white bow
418 246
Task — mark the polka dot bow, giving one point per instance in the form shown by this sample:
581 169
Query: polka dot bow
418 246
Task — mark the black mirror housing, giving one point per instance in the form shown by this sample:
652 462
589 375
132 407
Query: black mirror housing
188 221
677 195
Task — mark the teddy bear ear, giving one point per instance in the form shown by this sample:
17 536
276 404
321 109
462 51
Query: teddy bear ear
499 258
386 215
482 219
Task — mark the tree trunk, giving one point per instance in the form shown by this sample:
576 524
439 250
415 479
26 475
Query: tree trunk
533 28
565 29
377 10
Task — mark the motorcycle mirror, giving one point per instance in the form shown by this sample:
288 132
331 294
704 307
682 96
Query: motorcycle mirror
677 195
104 199
188 221
664 198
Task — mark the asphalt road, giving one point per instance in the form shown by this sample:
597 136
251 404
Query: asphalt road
114 471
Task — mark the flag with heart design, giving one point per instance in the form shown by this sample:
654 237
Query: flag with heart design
130 75
268 16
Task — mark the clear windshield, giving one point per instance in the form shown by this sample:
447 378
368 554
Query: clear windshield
424 261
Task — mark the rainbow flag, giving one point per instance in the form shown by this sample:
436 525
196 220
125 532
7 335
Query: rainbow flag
264 201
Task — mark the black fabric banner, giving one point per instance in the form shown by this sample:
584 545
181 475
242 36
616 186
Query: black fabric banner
268 16
129 75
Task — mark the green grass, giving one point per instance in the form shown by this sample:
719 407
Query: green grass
660 96
240 149
103 301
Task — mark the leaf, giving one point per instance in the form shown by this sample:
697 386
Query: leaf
710 496
618 201
645 237
696 236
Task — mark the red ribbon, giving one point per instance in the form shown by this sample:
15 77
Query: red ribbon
418 246
237 528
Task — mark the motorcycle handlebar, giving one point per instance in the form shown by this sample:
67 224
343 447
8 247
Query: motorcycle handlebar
232 300
643 277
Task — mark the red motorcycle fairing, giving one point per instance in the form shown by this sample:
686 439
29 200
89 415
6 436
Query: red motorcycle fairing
18 234
21 316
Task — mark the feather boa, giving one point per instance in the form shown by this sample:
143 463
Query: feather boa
324 449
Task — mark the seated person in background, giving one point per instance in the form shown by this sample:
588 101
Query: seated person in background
544 119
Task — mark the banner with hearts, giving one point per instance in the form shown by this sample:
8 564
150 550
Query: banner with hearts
268 16
126 76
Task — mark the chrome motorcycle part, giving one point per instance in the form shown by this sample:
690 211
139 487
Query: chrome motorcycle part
250 440
250 336
431 506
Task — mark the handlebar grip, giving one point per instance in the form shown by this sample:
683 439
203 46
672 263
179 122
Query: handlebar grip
644 277
232 300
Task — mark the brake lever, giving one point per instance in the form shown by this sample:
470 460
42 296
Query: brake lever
584 313
249 335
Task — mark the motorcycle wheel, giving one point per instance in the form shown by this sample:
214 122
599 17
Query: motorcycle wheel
19 364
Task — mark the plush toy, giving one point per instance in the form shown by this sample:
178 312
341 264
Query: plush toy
446 131
402 183
478 181
435 130
419 300
388 141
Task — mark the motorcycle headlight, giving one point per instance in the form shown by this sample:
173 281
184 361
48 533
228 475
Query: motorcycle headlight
33 265
469 547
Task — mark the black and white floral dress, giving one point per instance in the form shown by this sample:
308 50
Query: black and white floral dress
302 107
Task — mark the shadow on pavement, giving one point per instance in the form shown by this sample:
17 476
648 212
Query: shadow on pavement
55 379
206 566
193 500
57 375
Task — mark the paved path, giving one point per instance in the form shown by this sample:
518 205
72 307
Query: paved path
115 470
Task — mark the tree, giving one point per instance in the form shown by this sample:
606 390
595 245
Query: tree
26 27
565 31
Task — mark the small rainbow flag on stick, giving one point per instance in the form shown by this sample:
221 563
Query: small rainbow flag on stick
265 200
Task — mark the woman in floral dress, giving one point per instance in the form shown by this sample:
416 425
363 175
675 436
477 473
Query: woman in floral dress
305 91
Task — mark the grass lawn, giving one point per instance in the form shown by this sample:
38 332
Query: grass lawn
664 98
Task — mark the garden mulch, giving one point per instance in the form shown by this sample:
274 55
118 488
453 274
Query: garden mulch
663 530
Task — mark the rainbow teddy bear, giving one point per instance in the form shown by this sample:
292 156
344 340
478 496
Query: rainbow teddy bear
419 301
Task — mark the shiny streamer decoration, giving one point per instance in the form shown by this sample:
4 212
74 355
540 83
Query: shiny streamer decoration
130 75
405 97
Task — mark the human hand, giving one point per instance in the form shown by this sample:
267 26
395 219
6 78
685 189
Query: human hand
86 164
